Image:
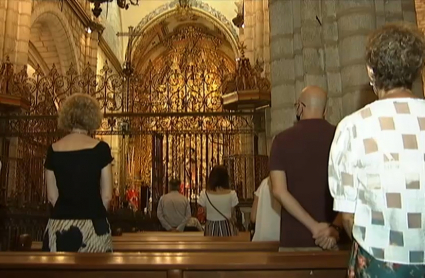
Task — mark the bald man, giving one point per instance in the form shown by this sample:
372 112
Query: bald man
299 173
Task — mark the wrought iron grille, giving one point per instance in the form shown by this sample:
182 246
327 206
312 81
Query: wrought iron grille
167 115
169 102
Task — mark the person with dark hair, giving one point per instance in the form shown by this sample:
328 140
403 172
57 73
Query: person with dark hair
377 166
219 201
174 209
125 218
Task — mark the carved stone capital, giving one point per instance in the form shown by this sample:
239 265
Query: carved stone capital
96 27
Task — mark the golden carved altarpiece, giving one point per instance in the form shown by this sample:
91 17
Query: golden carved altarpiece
170 118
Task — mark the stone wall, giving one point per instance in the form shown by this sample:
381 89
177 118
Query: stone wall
420 13
15 20
420 18
322 42
47 33
74 45
111 19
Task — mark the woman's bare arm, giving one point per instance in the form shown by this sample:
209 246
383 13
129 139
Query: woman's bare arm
234 218
52 189
254 209
348 223
106 185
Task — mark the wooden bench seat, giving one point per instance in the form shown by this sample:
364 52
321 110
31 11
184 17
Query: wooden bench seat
175 265
188 246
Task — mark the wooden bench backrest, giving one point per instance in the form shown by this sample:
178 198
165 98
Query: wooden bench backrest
191 235
177 238
188 247
175 265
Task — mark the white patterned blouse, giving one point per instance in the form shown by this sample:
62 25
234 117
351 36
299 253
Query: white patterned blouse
377 172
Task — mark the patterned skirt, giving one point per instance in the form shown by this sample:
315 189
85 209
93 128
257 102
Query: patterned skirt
222 228
362 264
78 235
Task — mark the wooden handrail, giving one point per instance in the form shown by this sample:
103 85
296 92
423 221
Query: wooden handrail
179 238
171 261
188 246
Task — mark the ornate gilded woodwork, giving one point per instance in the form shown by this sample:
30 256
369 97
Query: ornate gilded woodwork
168 114
179 97
186 79
246 88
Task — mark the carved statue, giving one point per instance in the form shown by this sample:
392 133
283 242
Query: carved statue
184 3
239 7
238 21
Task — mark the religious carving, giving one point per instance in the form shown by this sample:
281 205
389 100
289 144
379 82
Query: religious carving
169 116
192 35
186 79
184 11
238 21
246 88
122 4
201 5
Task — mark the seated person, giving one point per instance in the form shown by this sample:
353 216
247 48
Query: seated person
193 225
125 218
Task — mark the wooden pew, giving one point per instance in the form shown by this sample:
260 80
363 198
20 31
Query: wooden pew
143 237
167 234
187 246
175 265
171 236
178 238
139 241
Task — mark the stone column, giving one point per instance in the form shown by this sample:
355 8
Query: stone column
311 46
257 32
15 21
408 9
92 44
249 29
356 19
329 53
258 15
266 37
256 36
331 61
262 54
286 65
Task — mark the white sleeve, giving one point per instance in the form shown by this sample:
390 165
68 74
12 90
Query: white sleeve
342 180
235 200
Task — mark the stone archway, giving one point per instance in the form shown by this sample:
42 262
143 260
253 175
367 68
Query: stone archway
198 8
51 40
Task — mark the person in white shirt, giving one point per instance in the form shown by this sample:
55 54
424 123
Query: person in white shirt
265 213
219 202
377 162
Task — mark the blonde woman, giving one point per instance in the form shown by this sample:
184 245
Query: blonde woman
79 182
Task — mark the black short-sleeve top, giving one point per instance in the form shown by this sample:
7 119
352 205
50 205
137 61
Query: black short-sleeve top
77 176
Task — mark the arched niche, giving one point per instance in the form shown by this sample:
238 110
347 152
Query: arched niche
51 39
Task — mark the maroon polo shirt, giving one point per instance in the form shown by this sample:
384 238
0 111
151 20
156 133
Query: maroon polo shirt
302 151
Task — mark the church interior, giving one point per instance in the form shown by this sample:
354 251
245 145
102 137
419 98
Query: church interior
183 86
